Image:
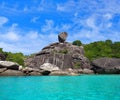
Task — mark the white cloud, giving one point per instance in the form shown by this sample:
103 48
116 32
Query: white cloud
60 8
10 33
48 26
12 36
3 20
25 9
89 21
38 6
51 27
32 35
28 42
34 19
67 6
65 27
108 16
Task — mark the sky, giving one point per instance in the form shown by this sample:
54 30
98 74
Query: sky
29 25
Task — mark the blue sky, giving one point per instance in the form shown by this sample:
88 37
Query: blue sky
28 25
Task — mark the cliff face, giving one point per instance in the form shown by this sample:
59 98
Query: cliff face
64 55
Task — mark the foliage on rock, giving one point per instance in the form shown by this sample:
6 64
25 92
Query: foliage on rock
63 51
77 65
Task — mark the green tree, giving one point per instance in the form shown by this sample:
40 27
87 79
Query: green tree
99 49
116 49
108 42
16 57
1 50
77 42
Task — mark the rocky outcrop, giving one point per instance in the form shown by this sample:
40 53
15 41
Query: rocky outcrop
49 67
84 71
8 68
64 55
2 69
57 58
60 73
106 66
62 37
10 72
9 65
34 73
31 71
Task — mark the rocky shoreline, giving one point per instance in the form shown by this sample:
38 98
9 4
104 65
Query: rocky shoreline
13 69
99 66
60 58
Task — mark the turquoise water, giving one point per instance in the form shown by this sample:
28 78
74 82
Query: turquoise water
84 87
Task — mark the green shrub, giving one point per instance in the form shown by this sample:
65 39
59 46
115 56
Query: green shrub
77 42
16 57
77 65
64 51
102 49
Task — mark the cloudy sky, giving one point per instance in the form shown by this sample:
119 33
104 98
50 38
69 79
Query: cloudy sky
29 25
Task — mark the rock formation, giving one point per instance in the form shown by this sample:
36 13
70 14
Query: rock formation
10 72
49 67
106 66
60 58
62 37
62 54
9 65
8 68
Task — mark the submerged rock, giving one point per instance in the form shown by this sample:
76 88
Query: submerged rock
60 72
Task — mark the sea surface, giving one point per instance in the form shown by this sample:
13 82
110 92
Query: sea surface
83 87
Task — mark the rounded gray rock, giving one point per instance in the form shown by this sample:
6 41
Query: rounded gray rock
106 65
62 37
9 65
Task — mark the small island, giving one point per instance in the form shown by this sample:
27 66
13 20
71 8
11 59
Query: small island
64 58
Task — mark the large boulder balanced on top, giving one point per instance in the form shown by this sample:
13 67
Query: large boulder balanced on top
106 65
64 55
62 37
